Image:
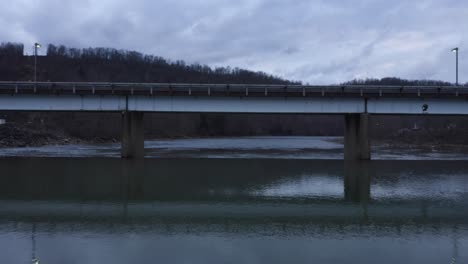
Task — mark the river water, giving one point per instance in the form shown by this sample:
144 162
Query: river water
243 148
244 200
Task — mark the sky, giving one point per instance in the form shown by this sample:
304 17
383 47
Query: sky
313 41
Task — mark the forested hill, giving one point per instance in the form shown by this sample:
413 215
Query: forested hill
397 81
112 65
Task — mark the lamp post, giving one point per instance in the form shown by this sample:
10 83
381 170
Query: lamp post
36 46
455 50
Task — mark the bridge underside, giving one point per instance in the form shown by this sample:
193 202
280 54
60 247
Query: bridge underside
355 109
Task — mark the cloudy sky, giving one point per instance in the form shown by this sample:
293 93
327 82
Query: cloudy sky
317 42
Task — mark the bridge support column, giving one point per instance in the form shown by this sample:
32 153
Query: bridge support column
132 135
356 145
357 181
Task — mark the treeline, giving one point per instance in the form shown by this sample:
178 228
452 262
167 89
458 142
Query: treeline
397 81
112 65
11 50
13 65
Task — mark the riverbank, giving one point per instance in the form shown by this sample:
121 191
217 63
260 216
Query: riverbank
37 133
259 147
32 135
399 143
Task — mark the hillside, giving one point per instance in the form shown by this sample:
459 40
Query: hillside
110 65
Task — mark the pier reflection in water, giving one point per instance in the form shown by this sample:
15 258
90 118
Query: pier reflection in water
254 211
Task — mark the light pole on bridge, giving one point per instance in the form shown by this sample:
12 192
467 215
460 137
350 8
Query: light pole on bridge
36 47
455 50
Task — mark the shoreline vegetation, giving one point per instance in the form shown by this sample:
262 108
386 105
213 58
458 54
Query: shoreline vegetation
62 63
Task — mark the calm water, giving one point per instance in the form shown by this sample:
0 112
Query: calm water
240 148
186 209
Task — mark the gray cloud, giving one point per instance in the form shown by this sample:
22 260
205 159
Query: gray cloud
312 41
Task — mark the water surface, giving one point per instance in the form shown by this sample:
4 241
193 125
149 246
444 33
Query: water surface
238 148
227 210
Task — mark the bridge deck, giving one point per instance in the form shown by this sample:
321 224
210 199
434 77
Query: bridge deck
232 98
232 90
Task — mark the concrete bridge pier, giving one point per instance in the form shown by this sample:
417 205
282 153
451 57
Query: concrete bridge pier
356 145
133 146
357 181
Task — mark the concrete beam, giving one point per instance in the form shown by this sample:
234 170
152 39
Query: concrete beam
133 146
394 105
418 106
62 103
356 145
267 105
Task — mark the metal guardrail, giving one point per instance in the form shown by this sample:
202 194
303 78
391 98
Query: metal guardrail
254 90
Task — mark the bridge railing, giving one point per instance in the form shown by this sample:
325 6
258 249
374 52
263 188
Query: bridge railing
243 90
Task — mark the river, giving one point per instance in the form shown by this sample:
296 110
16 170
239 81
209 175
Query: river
232 200
241 147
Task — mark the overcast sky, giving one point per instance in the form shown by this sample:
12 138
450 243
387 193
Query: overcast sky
317 42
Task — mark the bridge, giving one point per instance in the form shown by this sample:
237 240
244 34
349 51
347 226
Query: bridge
134 99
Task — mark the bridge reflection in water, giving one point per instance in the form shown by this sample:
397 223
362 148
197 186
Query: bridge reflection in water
227 197
295 189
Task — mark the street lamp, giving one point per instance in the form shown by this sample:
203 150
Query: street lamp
36 46
455 50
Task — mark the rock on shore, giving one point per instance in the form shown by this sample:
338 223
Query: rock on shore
13 135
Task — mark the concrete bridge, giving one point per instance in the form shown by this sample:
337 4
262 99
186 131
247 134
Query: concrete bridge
134 99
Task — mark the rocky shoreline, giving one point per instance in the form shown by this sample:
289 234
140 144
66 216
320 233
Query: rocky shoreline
35 135
12 135
400 143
